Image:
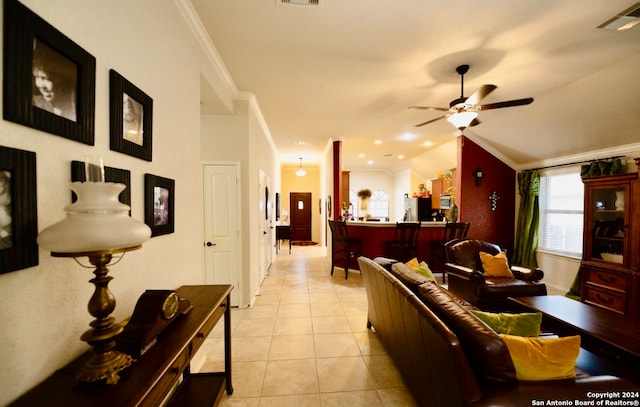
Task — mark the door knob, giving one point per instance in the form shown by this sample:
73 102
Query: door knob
209 244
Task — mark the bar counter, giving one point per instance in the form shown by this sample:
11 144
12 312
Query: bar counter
374 235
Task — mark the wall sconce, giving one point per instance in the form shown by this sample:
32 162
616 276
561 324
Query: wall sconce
99 227
478 174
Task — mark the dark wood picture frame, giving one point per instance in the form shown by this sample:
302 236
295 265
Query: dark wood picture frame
18 237
131 128
110 175
49 80
267 203
159 193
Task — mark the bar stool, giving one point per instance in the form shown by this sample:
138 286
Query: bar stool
404 247
343 247
452 230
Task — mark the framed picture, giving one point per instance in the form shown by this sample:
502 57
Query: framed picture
110 175
18 210
159 204
49 80
131 118
267 204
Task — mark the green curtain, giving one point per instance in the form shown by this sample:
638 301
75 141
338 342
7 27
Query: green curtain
528 219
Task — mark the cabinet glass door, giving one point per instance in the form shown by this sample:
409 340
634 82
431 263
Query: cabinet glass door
610 224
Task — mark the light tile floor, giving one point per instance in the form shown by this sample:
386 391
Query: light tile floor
305 341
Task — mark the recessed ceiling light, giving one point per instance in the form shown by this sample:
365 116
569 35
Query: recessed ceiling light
361 155
300 143
400 157
408 137
370 162
377 142
427 143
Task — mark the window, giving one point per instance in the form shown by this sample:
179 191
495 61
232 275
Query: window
561 212
353 205
379 204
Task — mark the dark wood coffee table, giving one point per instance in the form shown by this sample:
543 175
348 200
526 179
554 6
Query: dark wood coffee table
602 332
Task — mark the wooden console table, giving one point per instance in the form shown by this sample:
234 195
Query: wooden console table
283 232
605 333
150 380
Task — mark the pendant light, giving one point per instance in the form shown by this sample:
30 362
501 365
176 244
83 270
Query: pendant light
300 171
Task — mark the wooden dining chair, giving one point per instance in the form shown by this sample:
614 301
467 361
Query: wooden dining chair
344 249
452 230
404 246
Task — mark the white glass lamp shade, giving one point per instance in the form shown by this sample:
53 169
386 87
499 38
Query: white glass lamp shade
97 221
461 120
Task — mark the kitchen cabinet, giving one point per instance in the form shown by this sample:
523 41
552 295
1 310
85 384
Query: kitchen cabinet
441 186
346 177
610 267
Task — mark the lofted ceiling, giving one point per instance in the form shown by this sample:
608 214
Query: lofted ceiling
348 70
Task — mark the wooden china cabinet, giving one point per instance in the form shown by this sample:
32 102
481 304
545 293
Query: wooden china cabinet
611 252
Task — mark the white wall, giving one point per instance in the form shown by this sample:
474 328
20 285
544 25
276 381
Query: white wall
560 271
424 167
44 308
373 180
240 136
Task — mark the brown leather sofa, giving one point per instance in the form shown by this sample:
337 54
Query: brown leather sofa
446 355
467 279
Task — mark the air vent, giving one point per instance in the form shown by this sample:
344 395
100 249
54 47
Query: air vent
300 2
624 20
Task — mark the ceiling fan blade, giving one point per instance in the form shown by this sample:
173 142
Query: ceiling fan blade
441 109
508 103
432 120
474 122
480 94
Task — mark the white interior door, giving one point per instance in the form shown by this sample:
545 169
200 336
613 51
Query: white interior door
269 239
262 226
222 229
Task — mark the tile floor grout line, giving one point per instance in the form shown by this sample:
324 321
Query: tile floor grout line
306 273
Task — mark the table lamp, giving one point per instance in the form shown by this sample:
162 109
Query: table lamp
97 226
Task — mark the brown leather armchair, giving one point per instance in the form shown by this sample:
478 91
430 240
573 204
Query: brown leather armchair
467 279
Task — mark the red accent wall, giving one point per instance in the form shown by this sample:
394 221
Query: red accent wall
473 201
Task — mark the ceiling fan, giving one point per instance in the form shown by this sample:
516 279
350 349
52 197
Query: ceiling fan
463 112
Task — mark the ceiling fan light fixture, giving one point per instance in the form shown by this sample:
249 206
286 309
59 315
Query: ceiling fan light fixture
462 120
300 172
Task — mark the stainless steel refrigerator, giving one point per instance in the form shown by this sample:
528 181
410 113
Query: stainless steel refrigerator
417 209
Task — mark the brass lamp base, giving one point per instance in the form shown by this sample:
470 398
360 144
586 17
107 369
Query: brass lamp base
106 362
104 366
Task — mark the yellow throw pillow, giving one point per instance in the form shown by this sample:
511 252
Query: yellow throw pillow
543 358
495 266
412 264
